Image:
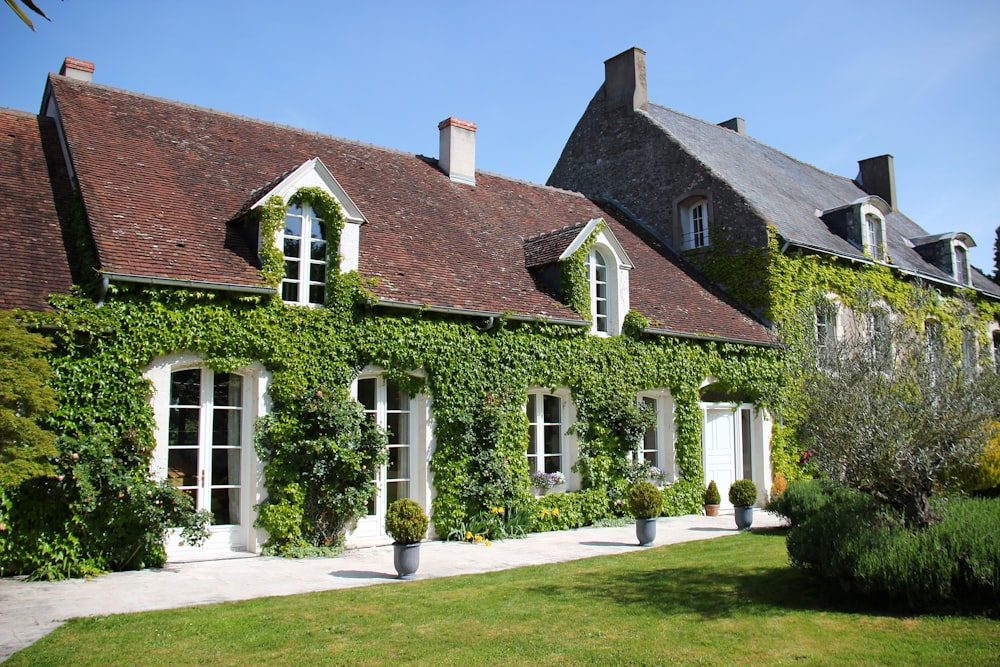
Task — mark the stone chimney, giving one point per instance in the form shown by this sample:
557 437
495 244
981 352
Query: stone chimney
625 80
75 68
458 150
877 177
737 125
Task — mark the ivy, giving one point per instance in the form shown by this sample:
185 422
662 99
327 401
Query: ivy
574 279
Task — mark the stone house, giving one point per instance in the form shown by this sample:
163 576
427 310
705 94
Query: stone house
795 244
471 290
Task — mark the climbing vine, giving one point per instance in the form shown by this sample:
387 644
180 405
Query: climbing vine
477 379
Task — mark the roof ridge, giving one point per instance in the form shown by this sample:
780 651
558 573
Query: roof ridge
561 230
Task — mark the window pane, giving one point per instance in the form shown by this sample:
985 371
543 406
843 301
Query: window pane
185 387
551 409
291 269
531 410
225 506
317 294
182 467
398 424
183 427
293 225
317 273
226 427
396 490
290 291
366 393
395 397
292 247
399 463
552 464
228 390
317 251
316 230
552 439
225 466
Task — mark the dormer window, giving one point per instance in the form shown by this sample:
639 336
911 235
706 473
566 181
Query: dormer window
597 272
961 263
874 239
304 247
694 223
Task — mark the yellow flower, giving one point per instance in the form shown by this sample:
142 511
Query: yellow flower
545 512
555 511
468 535
479 538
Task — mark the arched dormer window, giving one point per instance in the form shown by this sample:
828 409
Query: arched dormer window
960 261
303 244
600 305
693 232
874 236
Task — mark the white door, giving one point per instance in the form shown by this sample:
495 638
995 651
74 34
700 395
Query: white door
388 405
721 447
205 455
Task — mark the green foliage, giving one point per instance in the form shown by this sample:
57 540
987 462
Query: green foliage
743 493
574 280
712 496
645 501
321 454
634 324
984 473
866 548
405 521
25 401
685 496
801 500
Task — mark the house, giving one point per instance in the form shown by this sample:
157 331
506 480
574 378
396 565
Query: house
800 247
231 270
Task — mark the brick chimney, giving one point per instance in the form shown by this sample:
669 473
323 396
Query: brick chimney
458 150
876 176
74 68
625 80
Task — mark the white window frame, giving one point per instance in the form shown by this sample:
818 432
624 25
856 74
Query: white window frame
960 263
694 224
568 449
662 434
601 278
873 234
302 281
826 329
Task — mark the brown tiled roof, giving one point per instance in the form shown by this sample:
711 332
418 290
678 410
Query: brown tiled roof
548 248
161 181
33 257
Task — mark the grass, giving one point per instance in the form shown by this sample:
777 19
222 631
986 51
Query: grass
731 600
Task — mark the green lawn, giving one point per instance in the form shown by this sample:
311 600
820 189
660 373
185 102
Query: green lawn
731 600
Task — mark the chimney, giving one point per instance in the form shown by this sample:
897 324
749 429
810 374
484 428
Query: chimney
458 150
737 125
625 80
877 177
74 68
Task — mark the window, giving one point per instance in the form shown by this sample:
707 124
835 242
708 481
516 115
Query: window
650 449
304 248
880 338
388 405
961 264
205 440
934 335
996 351
597 270
545 430
656 449
826 333
746 440
874 240
694 224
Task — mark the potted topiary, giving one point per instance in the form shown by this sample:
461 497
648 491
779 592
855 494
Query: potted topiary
406 524
743 496
712 499
645 502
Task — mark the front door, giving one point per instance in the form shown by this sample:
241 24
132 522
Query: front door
388 405
720 446
205 448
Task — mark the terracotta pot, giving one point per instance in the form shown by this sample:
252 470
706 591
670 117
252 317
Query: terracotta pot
711 510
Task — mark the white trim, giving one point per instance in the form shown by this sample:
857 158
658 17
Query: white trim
313 173
665 431
569 450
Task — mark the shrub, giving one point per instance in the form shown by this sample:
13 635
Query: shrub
779 484
645 501
712 496
405 521
743 493
866 548
800 500
984 474
685 496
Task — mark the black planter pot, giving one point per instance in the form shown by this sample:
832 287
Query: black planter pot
744 517
406 559
645 531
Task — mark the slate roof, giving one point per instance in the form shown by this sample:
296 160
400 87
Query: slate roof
162 182
787 192
34 261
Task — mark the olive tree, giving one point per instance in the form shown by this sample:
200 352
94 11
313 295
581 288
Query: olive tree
896 412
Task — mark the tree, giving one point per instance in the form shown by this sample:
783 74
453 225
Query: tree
996 256
895 415
20 12
25 445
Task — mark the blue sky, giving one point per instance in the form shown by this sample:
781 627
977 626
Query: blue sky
828 83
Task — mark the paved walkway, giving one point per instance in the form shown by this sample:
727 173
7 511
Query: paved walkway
31 610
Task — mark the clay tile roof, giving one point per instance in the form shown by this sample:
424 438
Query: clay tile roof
160 180
547 248
34 261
